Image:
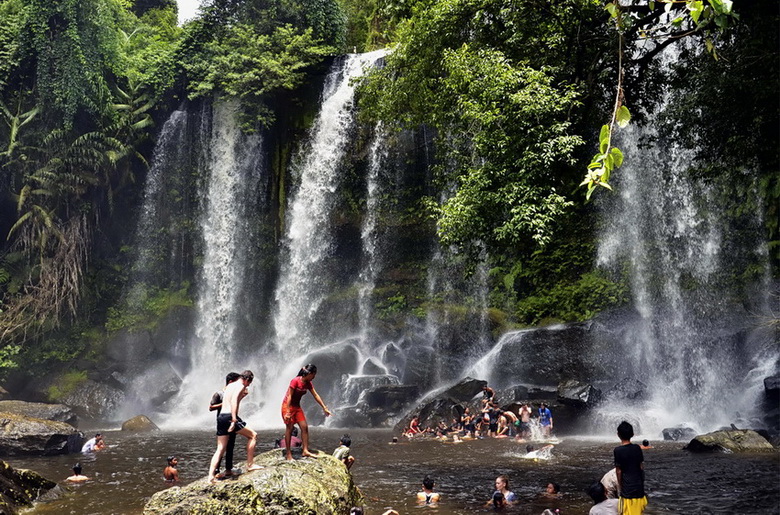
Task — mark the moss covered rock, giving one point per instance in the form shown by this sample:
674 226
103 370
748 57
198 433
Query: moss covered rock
19 487
139 424
738 440
21 435
56 412
305 486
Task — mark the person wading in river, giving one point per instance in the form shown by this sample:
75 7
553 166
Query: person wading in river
630 469
228 421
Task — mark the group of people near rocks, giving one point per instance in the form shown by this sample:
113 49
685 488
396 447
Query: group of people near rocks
620 490
491 421
227 404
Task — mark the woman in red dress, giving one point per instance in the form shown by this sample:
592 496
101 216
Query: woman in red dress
292 413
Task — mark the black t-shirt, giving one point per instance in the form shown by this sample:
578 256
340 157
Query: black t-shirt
629 458
217 399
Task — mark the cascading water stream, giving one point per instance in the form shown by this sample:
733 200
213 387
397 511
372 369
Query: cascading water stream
668 227
309 240
234 164
149 239
372 257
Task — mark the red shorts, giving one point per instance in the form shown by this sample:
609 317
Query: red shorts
293 415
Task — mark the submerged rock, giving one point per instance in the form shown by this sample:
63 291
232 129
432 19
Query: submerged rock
139 424
56 412
678 433
20 487
20 435
319 486
578 394
736 440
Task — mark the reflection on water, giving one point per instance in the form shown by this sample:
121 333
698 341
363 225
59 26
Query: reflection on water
389 475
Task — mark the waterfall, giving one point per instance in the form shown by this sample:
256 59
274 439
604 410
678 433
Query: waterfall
667 226
233 164
308 241
152 234
368 235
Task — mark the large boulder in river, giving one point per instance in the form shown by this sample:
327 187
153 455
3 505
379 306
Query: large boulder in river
95 401
678 433
56 412
319 486
332 362
433 412
20 435
465 390
627 389
578 394
139 424
20 487
737 440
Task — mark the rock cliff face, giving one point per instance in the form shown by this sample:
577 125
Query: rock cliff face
319 486
19 488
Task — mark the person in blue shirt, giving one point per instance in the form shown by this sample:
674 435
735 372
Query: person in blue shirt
545 419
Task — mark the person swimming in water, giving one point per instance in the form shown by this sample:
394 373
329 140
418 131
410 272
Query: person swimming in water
292 413
77 476
428 496
170 474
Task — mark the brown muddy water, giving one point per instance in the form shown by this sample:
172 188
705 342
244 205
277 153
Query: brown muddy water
126 474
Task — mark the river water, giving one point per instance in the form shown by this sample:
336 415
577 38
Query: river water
129 471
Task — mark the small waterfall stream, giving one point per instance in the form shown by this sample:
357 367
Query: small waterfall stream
151 233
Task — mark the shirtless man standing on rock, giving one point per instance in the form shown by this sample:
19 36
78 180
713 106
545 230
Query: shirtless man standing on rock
228 422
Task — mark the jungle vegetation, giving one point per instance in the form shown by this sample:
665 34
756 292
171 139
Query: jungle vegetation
517 93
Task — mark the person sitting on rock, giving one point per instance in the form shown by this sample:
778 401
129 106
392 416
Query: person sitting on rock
414 426
342 452
77 477
170 474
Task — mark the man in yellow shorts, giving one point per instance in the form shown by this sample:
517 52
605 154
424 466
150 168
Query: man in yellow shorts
630 469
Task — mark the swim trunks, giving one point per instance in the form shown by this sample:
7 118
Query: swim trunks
293 415
223 424
632 506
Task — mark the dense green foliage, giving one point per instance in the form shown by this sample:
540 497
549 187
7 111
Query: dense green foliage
475 71
80 85
516 94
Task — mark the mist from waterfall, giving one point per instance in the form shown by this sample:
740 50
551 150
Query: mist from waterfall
666 227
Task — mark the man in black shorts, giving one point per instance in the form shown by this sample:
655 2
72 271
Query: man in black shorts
228 422
216 404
